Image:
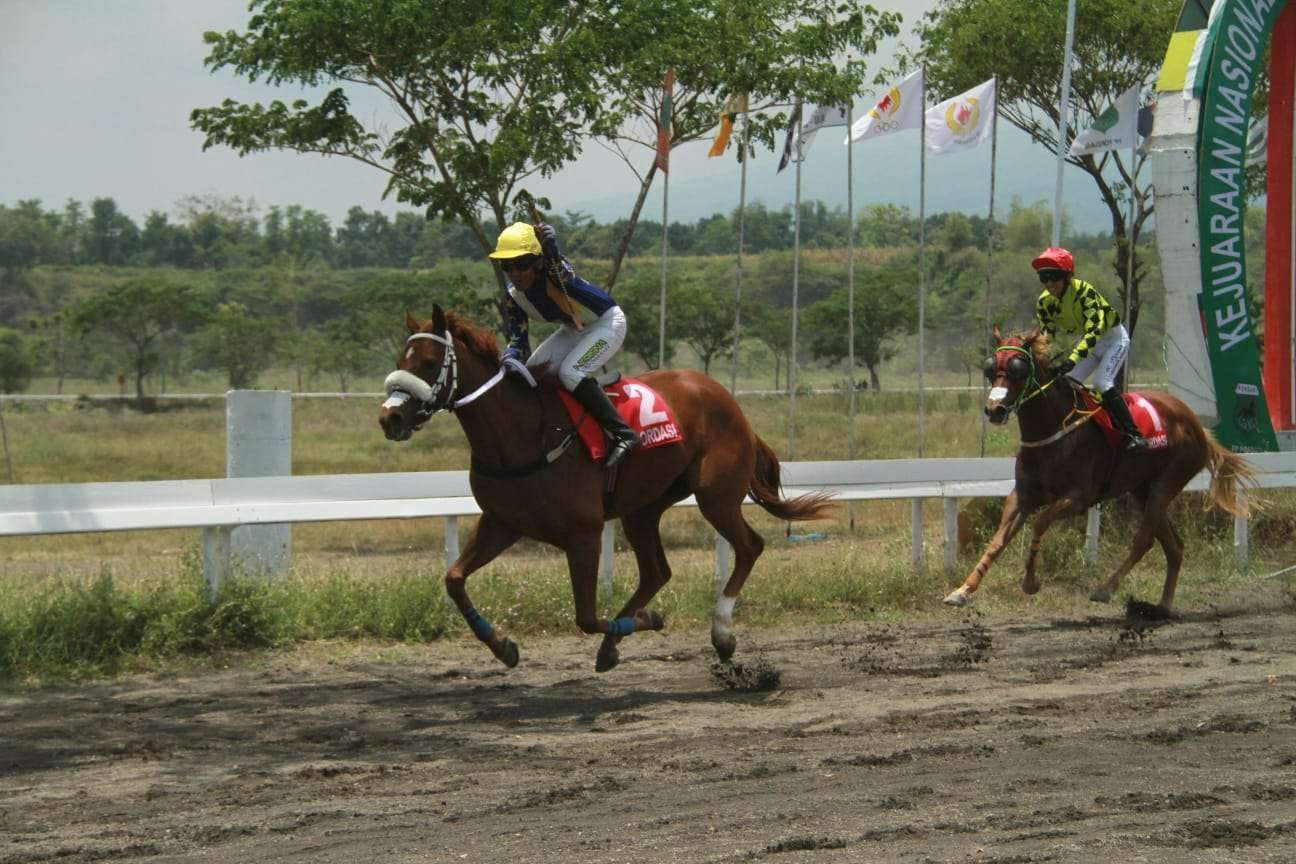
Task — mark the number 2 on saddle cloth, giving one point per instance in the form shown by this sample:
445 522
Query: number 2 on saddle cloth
639 405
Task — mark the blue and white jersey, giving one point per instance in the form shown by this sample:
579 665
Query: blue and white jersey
546 301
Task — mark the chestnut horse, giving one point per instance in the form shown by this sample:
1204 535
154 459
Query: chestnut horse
1066 465
531 481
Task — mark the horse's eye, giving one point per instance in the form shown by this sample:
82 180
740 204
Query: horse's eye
1018 368
990 367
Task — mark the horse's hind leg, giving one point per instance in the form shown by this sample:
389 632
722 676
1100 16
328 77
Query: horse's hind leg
725 515
490 539
643 532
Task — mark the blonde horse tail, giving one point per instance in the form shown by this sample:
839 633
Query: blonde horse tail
1229 474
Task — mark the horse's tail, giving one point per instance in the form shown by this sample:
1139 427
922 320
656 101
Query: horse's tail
1229 472
766 489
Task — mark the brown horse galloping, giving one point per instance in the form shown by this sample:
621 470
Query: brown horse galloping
528 484
1066 466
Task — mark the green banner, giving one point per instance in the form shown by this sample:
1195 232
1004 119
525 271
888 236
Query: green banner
1241 29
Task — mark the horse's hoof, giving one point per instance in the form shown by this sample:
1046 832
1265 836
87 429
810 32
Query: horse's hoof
508 653
1030 587
608 658
956 598
647 619
1100 595
724 647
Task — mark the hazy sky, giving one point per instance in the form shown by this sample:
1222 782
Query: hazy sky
95 97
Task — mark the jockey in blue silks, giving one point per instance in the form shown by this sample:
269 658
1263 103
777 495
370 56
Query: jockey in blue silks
592 324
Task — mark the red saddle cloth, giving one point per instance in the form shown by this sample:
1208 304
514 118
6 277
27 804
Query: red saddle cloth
638 404
1146 417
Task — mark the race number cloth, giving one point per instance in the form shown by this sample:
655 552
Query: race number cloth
1146 417
639 405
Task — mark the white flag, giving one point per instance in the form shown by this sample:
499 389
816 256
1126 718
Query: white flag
1114 129
899 108
821 117
963 122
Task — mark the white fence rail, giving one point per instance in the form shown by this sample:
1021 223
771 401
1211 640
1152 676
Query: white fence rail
220 506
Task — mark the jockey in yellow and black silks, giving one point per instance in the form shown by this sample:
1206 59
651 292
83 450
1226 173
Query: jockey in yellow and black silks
1077 307
592 324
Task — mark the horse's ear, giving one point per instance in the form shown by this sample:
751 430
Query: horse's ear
438 319
410 323
998 336
1033 334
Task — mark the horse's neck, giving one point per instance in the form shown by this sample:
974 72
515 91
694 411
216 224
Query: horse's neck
501 420
1045 413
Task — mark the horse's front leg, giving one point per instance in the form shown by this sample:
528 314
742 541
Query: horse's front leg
1014 516
582 562
1060 509
490 539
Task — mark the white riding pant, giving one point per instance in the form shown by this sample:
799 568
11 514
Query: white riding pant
1106 357
575 354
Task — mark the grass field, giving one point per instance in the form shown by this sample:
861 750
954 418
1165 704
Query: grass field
97 604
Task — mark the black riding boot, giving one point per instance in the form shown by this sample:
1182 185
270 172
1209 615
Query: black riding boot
621 437
1119 411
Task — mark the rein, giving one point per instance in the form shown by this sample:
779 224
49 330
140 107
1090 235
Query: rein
1067 426
402 385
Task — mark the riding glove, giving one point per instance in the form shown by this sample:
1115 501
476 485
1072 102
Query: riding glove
548 241
1061 366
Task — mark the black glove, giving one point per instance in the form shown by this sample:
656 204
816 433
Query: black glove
548 241
1061 365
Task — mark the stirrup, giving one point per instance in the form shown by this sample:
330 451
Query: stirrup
1135 444
620 450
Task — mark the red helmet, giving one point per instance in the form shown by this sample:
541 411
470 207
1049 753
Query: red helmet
1055 258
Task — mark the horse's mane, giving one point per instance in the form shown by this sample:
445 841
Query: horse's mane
479 341
1041 346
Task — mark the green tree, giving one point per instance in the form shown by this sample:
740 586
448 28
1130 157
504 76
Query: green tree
485 94
238 344
884 309
1117 45
640 298
16 365
702 309
138 313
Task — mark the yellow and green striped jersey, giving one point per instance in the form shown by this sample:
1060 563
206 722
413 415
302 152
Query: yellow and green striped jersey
1080 310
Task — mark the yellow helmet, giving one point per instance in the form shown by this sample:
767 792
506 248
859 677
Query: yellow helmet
515 241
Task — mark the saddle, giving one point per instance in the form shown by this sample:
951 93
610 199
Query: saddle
638 404
1146 417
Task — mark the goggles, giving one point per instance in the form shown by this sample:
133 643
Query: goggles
1048 274
522 262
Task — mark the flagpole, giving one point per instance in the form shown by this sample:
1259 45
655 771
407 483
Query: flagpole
661 335
922 270
796 275
1129 258
1062 121
850 301
990 226
742 215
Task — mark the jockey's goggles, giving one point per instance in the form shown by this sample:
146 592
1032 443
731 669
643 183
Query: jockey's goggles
1048 274
522 262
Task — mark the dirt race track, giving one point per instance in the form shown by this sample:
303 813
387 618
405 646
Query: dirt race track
962 738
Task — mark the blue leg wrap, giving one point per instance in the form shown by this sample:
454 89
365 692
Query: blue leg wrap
621 626
480 626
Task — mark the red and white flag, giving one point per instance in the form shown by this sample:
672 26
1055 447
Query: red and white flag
899 108
963 122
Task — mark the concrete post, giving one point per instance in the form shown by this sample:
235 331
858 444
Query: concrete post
258 443
1093 527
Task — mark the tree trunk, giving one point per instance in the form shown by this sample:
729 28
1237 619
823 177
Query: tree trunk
623 248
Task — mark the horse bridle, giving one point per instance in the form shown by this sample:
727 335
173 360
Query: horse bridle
1031 380
401 386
